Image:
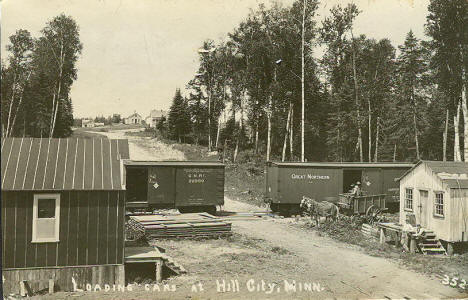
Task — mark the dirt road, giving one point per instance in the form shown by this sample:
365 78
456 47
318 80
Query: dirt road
343 269
145 148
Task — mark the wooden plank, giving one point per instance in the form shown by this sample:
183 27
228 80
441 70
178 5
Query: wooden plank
32 162
93 229
73 230
60 164
51 254
41 255
83 228
6 149
111 233
21 244
63 234
102 229
10 230
79 165
120 227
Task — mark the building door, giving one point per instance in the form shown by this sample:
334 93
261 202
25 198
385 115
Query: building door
351 177
371 181
422 207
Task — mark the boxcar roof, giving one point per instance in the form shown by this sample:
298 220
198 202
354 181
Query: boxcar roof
452 173
344 164
174 163
62 164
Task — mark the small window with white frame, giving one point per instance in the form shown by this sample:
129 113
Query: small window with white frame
46 218
409 199
439 204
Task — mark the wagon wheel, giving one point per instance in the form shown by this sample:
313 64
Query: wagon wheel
373 214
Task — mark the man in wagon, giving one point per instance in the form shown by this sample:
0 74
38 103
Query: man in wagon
356 192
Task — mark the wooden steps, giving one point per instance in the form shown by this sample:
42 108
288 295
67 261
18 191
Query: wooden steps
430 245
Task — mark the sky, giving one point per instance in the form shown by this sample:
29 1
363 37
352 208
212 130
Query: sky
137 52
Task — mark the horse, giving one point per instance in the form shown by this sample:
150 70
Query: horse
319 209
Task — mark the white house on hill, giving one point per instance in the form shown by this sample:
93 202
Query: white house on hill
134 118
154 117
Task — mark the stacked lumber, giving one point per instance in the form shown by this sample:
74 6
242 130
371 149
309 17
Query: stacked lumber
184 225
370 231
134 230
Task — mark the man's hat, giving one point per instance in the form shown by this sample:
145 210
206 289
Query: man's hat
358 183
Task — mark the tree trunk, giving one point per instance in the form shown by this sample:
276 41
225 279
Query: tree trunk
376 156
361 159
456 144
394 153
256 137
19 104
369 113
13 91
416 140
291 135
209 120
218 131
302 80
445 137
57 98
465 116
268 137
285 143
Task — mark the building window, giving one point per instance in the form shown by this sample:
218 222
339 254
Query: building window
409 199
46 218
439 204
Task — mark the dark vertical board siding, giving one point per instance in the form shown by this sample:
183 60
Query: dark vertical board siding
93 230
88 172
41 254
30 247
63 234
73 230
107 176
10 230
52 160
83 203
59 171
51 254
20 254
31 168
112 225
102 241
39 181
97 174
115 164
21 171
3 201
79 166
70 164
120 227
7 181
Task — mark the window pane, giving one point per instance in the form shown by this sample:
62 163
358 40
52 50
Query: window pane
46 208
45 229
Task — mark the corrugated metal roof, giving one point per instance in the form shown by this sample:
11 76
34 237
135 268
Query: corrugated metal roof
344 164
174 163
62 164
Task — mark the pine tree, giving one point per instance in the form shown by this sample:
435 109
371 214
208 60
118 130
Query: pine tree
179 117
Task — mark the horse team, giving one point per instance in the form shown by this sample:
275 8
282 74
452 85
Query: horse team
318 209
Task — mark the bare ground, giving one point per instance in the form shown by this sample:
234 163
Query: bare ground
275 250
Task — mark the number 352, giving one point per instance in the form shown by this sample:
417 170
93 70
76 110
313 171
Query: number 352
455 281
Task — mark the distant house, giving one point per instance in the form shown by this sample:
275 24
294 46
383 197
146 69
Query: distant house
154 117
134 118
435 194
98 124
87 123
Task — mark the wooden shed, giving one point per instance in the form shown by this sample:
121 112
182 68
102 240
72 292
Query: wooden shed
63 215
436 194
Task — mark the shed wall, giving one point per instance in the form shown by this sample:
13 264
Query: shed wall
91 230
459 221
422 178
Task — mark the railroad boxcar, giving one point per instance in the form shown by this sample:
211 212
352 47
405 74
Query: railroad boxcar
286 183
189 186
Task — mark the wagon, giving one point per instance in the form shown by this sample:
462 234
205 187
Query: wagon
369 205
